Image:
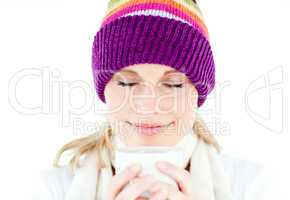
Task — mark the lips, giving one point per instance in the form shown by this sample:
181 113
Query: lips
149 129
149 125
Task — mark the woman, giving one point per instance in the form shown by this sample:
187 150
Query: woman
153 67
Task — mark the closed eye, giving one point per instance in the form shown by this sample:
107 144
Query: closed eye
174 85
123 84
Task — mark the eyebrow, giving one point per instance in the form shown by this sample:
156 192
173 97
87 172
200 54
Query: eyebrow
135 73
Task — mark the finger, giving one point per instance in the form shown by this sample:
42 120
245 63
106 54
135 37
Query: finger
165 191
123 178
160 194
136 187
181 176
141 198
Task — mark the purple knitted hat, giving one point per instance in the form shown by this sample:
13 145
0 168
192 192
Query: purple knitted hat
167 32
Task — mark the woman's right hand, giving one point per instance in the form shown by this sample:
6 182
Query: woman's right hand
138 184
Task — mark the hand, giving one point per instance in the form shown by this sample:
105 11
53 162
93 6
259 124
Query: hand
161 190
137 185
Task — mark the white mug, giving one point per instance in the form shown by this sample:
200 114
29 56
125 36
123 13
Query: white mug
147 156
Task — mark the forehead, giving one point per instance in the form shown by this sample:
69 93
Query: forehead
149 70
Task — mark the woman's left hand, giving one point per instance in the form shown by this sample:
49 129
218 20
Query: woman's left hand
162 190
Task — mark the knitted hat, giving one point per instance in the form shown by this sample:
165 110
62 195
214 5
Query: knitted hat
166 32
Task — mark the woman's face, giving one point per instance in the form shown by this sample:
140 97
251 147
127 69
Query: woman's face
148 95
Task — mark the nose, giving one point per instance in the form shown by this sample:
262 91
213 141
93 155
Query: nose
144 99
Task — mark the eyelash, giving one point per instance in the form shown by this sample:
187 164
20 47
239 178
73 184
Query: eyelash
167 85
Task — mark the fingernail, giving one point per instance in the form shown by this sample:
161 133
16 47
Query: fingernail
154 188
161 164
135 167
145 174
148 177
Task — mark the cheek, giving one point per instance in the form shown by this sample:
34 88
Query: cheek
186 112
115 96
117 108
180 101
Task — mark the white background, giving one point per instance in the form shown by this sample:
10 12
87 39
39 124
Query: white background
48 96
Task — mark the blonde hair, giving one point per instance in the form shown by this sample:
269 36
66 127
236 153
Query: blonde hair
85 145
